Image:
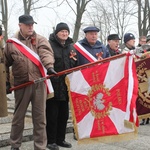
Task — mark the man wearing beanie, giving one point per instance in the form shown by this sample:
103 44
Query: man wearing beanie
62 26
57 110
129 42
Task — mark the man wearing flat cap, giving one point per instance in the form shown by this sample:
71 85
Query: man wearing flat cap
113 44
91 29
30 55
90 49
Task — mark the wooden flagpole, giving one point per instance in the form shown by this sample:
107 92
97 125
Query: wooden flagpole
67 71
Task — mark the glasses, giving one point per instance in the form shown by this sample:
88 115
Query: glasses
143 41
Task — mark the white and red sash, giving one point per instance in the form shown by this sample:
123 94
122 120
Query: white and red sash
84 52
34 57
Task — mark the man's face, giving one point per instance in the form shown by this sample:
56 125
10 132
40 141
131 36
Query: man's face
131 43
1 37
26 29
113 44
63 35
142 41
91 37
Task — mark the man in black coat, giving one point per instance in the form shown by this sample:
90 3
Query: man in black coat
113 44
57 110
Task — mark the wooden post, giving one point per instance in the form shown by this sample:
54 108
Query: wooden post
3 97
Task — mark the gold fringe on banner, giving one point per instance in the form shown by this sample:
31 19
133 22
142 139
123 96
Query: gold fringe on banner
71 107
111 138
145 116
128 124
50 95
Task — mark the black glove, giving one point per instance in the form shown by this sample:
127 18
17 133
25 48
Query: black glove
51 71
8 86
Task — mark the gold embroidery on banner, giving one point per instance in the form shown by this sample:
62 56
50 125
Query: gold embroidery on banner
95 76
141 66
119 96
97 106
103 127
143 74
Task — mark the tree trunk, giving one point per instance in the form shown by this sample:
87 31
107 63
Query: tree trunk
5 17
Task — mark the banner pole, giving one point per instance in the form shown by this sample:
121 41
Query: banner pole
67 71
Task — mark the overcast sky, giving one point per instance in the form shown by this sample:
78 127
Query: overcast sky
47 19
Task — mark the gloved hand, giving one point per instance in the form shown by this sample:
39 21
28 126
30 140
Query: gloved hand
8 86
51 71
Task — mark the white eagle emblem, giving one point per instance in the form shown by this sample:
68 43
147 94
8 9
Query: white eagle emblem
98 101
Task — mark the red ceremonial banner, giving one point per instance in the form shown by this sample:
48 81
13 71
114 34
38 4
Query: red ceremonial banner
103 99
143 100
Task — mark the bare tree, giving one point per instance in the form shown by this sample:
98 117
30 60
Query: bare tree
143 16
122 14
112 16
99 17
30 5
4 11
80 9
27 6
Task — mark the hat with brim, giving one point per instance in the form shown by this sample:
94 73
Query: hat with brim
113 37
26 19
91 29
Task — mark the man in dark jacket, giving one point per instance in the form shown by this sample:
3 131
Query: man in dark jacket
57 110
113 44
90 48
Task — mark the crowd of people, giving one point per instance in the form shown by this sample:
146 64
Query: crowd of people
32 56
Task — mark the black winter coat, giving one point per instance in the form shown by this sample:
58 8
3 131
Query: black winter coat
62 62
112 52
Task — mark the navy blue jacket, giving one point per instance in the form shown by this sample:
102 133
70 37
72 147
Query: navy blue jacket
97 48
